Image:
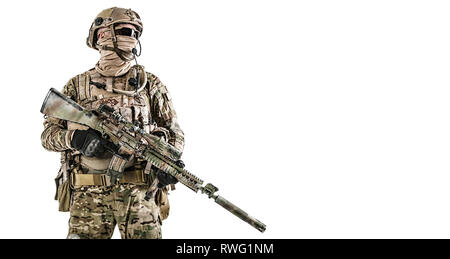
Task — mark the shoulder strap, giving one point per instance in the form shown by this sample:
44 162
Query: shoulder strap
150 98
84 90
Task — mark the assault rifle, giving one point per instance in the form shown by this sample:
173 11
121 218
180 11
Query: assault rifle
131 140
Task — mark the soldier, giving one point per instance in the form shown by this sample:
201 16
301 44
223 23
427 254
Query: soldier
84 188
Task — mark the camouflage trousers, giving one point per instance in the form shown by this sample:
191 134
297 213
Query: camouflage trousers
96 210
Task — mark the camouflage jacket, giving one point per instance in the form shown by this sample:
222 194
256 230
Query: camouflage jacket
159 111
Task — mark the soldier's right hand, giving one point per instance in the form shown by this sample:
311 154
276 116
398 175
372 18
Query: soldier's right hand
88 142
164 178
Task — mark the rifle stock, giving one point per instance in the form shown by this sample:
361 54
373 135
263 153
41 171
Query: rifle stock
61 107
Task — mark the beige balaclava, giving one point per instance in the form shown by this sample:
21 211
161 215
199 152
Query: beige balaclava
110 63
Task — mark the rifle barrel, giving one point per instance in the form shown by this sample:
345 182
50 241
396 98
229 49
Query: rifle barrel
240 213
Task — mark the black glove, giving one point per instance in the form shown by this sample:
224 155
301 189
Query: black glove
165 178
88 142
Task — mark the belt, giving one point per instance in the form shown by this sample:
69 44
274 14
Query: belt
134 176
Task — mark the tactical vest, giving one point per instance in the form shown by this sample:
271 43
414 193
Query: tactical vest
94 90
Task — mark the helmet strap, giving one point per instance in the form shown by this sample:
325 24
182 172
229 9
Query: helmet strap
113 34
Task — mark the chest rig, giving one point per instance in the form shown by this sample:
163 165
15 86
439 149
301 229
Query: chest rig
126 94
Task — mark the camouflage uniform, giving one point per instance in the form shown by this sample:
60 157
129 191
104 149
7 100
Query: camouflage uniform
96 208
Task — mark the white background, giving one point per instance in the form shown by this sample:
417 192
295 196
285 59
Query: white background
323 119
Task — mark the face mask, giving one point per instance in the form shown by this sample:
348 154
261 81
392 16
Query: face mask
110 63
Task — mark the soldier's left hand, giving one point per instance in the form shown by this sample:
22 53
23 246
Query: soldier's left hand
89 142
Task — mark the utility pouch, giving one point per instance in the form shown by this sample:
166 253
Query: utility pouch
162 200
63 190
64 193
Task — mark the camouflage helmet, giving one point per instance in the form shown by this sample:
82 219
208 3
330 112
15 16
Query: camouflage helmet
109 18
